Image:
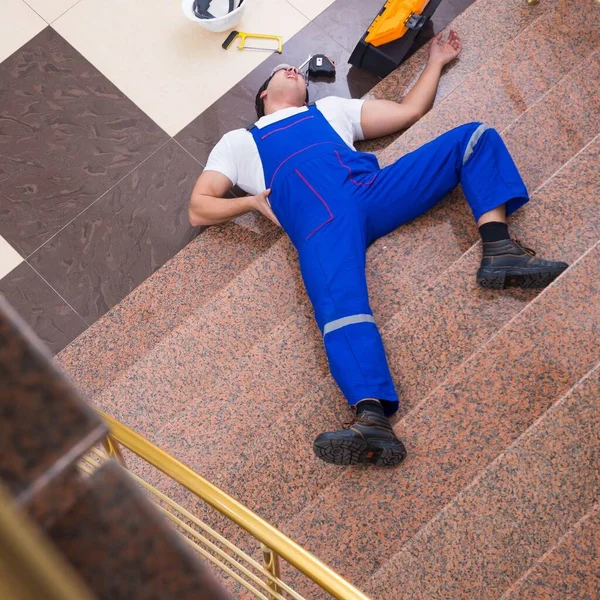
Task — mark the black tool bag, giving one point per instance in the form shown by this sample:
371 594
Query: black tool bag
382 60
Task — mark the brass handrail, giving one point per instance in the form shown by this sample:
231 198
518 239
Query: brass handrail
30 566
269 536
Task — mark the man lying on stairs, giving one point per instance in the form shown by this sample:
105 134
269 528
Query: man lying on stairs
299 164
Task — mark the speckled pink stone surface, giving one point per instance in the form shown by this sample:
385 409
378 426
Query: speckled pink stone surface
570 570
527 499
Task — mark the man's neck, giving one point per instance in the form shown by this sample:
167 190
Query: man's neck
273 108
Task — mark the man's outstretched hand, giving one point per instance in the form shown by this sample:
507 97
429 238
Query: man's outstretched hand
261 203
443 51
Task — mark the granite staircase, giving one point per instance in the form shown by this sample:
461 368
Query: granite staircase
74 537
216 357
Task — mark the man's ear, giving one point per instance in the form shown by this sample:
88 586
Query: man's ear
263 94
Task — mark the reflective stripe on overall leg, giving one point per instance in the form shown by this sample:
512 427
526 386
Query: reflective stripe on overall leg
345 321
473 141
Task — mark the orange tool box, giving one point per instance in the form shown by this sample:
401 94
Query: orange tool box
390 36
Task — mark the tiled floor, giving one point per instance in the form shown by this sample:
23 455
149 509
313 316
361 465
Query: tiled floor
107 114
216 357
29 23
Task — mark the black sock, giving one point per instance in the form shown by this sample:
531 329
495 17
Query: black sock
494 232
370 404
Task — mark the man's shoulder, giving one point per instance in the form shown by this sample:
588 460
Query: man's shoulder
235 138
236 134
337 104
329 100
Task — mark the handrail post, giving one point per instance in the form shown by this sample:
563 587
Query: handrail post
112 449
271 562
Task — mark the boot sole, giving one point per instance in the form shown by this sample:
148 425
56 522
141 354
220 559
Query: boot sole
498 279
354 452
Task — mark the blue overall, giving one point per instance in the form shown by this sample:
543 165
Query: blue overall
333 202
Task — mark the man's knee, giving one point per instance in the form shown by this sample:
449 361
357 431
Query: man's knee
476 130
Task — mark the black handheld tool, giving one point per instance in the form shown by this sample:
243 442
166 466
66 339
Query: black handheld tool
319 65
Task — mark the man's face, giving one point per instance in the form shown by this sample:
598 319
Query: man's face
287 85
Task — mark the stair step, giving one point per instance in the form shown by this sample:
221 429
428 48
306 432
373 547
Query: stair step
243 402
178 289
570 571
462 426
577 100
56 498
190 358
521 505
123 548
44 426
498 23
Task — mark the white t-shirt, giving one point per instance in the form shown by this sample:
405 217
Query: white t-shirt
236 155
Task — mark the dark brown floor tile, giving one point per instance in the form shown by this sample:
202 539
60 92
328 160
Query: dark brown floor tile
347 20
236 108
459 5
125 236
67 134
233 110
444 14
53 321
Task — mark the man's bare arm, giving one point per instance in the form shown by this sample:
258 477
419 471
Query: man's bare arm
382 117
209 207
207 203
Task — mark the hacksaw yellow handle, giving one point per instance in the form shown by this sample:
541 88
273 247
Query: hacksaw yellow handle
262 36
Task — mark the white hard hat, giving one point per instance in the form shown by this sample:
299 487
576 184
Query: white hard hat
214 9
214 15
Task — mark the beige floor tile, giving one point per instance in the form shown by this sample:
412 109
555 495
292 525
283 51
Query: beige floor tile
51 9
168 65
9 257
18 24
312 8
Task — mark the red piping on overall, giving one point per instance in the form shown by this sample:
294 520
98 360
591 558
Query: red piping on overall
286 127
312 189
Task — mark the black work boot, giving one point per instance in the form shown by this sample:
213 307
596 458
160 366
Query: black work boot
368 438
507 263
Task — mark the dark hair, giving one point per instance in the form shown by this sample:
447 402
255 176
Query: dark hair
259 102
